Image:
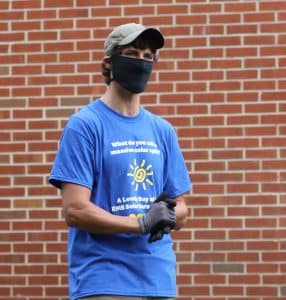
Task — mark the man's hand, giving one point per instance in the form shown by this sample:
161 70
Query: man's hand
159 216
158 234
164 197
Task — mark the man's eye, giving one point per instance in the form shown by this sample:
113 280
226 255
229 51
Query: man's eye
131 53
148 56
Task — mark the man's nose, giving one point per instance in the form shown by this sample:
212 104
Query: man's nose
141 55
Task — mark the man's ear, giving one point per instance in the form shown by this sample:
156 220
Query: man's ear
107 60
107 66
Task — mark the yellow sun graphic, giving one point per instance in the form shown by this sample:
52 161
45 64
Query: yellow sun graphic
140 174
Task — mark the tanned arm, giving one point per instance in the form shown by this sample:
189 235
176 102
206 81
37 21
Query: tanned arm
181 212
80 212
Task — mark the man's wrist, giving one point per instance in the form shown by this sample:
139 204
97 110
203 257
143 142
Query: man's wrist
142 225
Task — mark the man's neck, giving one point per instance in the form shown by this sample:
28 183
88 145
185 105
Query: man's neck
122 101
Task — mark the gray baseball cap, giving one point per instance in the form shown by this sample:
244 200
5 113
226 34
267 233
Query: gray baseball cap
127 33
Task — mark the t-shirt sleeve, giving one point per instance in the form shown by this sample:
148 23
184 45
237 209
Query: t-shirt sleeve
177 179
75 160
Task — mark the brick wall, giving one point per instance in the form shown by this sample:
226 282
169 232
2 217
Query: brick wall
221 81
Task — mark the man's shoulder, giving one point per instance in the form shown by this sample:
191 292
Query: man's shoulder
86 119
86 114
158 120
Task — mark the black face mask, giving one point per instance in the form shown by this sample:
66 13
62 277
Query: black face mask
131 73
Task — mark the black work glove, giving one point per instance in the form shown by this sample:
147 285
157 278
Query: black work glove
159 216
164 197
158 235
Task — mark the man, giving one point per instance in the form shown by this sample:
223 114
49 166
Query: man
123 178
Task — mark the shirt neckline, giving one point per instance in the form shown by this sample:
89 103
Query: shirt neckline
118 115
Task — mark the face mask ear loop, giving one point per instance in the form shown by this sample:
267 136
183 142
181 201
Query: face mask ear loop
107 61
111 71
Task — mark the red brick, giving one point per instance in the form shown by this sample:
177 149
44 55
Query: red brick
233 290
179 76
226 108
73 13
89 2
72 35
194 42
220 132
207 75
53 3
12 59
262 268
26 25
245 74
59 68
27 291
242 188
226 63
261 177
11 15
210 279
242 211
41 14
225 41
265 245
4 5
239 120
225 85
233 177
259 17
59 46
225 18
274 50
191 19
25 4
42 58
209 143
228 246
46 35
203 212
246 234
62 24
204 52
259 62
261 131
262 291
209 97
240 7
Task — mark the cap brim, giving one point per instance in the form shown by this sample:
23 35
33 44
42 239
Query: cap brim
152 35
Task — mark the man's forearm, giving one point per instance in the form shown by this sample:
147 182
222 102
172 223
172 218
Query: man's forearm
98 221
80 212
181 214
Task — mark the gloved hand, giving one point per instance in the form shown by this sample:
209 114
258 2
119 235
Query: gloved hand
158 235
164 197
159 216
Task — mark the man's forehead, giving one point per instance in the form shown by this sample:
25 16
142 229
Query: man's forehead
133 47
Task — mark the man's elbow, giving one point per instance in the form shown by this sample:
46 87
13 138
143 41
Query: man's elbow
180 222
181 215
70 215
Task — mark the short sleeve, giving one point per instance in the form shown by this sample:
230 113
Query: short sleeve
75 160
177 179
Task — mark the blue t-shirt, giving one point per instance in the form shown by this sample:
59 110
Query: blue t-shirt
126 162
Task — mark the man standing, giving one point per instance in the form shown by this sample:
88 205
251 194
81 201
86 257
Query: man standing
123 178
